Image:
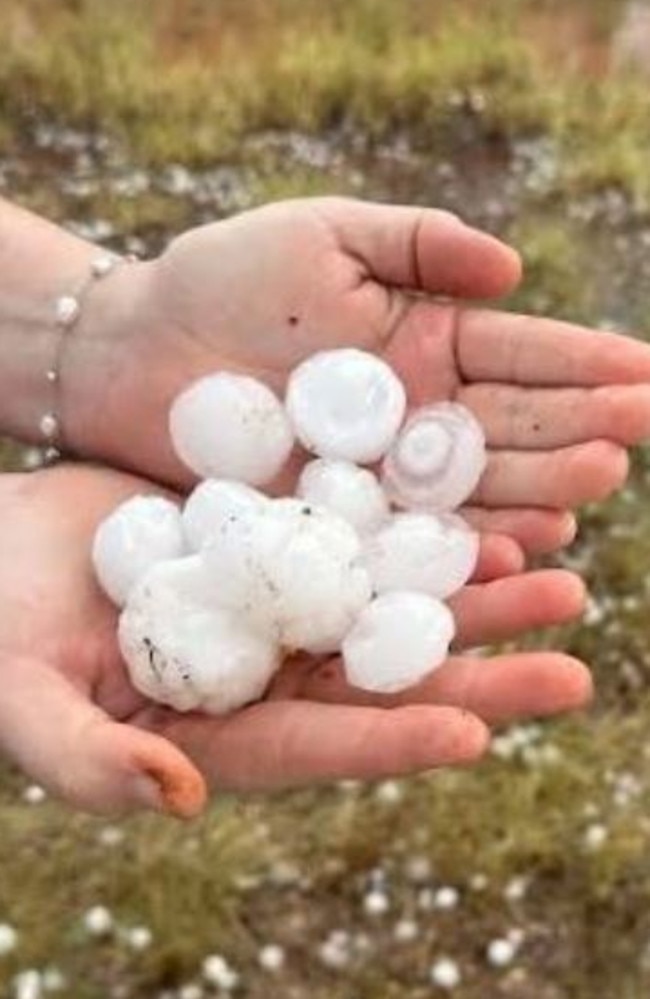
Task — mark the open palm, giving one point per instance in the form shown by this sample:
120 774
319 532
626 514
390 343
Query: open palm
261 291
71 718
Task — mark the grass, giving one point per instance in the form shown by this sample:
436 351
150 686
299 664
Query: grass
460 104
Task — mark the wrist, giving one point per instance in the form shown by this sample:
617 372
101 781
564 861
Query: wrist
98 357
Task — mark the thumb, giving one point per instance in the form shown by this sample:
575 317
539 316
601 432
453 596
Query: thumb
70 746
423 249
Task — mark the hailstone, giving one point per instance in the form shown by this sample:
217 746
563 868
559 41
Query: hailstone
351 492
231 426
422 552
437 460
186 652
213 502
142 531
346 404
396 641
294 569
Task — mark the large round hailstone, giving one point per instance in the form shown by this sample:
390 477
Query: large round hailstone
350 492
422 552
142 531
346 404
212 503
437 460
293 569
187 653
397 640
233 427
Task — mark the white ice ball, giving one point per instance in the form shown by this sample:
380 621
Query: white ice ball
346 404
397 640
294 569
212 503
141 532
231 426
184 651
437 460
350 492
422 552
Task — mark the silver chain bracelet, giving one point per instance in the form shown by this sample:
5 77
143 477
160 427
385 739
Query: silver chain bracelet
68 310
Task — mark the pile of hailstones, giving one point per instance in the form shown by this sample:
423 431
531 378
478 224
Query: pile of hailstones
359 561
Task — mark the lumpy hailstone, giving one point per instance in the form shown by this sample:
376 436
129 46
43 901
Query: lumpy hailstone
422 552
212 504
293 569
437 460
187 653
142 531
397 640
351 492
346 404
231 426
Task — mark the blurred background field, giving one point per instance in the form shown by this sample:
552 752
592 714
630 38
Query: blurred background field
129 121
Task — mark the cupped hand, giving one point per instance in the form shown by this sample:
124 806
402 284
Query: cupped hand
260 291
71 719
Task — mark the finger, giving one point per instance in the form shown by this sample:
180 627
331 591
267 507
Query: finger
498 556
528 350
291 743
500 689
568 477
503 609
536 531
71 747
515 417
424 249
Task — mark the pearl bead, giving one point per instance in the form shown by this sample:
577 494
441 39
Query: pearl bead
67 310
103 265
49 425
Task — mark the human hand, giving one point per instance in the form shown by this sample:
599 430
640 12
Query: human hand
71 719
259 292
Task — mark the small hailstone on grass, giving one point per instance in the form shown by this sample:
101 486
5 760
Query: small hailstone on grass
376 902
190 991
446 898
437 460
34 795
516 889
406 930
397 640
478 882
334 952
343 488
28 984
141 532
596 836
418 870
212 503
231 426
294 568
187 653
111 836
445 973
501 952
53 980
217 971
8 938
138 937
389 792
346 404
272 957
422 552
98 921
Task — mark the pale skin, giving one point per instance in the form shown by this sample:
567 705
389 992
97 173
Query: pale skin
257 293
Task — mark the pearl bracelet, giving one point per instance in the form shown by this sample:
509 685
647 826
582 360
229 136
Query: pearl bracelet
67 313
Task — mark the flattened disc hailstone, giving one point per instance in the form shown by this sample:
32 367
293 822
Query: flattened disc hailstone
350 492
346 404
232 427
437 460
